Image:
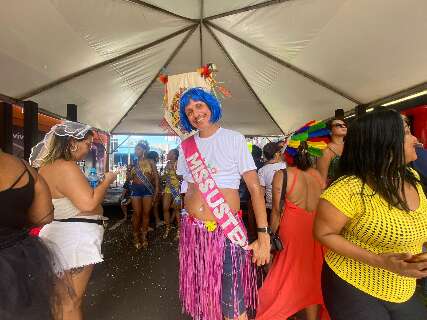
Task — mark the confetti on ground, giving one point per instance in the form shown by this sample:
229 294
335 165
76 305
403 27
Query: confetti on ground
134 284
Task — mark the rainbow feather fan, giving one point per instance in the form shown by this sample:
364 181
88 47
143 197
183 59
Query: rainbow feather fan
315 134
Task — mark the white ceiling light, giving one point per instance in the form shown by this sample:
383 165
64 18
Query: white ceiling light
412 96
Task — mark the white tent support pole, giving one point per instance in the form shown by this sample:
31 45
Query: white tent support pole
151 6
248 8
242 76
283 63
173 54
122 143
202 4
398 95
101 64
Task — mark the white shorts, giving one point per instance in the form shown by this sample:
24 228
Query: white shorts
76 244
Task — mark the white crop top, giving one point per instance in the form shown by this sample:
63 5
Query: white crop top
226 154
64 208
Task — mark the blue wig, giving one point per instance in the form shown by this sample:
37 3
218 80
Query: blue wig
199 94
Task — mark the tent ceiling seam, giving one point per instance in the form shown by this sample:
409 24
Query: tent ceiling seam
243 77
202 3
398 95
284 63
244 9
154 7
102 64
173 54
10 100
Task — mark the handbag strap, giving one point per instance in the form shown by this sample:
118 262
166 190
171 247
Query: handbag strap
284 187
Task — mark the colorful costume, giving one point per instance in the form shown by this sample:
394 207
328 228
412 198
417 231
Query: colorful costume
172 184
316 136
237 292
144 174
217 277
294 280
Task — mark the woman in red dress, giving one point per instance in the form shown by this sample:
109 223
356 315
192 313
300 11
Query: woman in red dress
294 280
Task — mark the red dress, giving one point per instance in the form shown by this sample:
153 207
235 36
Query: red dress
294 280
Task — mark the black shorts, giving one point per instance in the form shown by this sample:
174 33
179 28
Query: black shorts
345 302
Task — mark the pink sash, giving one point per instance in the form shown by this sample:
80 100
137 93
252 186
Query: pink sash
232 226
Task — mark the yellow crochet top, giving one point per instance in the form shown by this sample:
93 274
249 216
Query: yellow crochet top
379 229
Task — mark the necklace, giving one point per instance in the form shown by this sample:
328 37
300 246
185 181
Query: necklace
338 143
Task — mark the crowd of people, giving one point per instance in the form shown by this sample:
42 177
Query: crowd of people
348 223
166 198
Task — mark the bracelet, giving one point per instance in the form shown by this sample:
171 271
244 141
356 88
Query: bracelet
264 230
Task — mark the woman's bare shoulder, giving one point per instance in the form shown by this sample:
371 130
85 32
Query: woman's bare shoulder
329 151
60 167
10 166
8 159
314 172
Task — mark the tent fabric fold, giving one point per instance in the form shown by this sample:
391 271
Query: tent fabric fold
284 61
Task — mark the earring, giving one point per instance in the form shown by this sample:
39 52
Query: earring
74 148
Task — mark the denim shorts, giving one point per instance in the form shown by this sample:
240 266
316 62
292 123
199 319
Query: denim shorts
140 190
232 300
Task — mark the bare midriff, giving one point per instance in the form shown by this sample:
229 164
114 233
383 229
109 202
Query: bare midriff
196 206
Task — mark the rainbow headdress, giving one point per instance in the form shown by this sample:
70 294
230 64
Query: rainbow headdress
315 134
176 85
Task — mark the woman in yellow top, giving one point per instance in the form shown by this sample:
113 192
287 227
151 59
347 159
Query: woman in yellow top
373 219
171 194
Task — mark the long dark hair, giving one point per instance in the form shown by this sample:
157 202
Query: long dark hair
302 159
374 153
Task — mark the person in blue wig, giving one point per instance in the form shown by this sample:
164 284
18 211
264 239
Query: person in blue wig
215 281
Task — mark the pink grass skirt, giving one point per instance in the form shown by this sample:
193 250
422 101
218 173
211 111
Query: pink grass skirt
201 279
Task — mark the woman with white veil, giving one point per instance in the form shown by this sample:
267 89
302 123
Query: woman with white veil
77 230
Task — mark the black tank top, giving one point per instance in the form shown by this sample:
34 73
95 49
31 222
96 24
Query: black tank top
15 203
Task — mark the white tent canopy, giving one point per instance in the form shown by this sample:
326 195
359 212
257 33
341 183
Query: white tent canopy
285 62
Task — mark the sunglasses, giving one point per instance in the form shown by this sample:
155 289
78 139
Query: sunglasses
339 125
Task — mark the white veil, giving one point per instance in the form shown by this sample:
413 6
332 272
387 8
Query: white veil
41 151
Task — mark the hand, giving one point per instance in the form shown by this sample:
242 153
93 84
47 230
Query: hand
261 249
110 177
155 197
396 262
